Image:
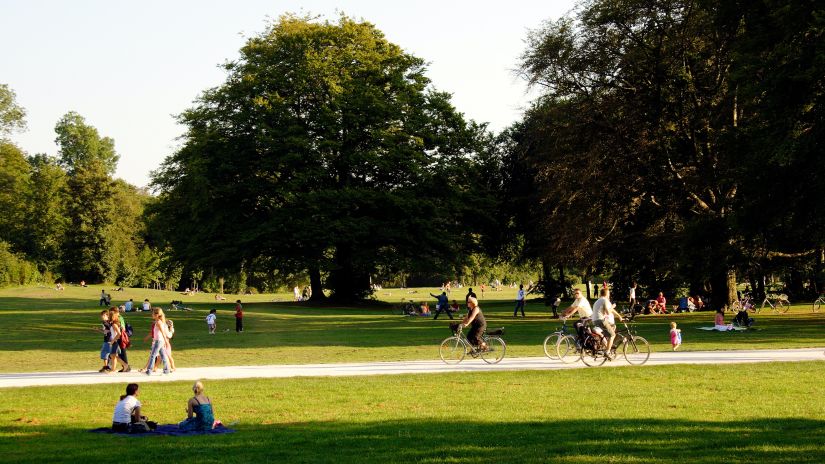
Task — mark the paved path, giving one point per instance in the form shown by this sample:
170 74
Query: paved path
400 367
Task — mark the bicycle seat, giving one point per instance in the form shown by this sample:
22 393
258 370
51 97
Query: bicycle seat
493 332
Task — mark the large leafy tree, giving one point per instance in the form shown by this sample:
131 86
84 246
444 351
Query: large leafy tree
650 141
326 150
89 160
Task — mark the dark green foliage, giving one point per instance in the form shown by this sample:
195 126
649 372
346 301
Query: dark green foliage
678 140
325 150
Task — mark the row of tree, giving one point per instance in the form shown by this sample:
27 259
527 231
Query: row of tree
675 143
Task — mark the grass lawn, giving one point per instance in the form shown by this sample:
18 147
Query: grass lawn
46 330
697 414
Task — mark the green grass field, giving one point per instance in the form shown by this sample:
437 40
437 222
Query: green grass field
46 330
696 414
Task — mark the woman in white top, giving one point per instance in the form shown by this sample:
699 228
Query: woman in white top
127 410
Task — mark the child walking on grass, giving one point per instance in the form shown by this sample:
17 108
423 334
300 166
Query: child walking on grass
675 336
211 320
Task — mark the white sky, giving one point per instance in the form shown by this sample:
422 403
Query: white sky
128 67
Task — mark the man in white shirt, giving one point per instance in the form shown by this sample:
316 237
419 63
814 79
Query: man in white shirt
519 302
580 304
127 410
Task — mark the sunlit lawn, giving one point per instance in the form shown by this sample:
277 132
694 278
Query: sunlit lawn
46 330
696 414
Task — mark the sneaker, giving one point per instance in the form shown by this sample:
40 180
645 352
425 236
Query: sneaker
103 369
148 372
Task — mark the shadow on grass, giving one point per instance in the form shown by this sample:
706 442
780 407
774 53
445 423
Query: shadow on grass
580 441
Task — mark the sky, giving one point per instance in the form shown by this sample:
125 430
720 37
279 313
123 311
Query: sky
130 67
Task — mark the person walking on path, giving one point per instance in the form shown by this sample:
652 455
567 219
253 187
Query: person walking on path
238 317
443 305
160 338
519 302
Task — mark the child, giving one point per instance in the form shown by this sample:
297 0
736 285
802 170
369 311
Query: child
106 348
238 317
211 319
675 336
171 325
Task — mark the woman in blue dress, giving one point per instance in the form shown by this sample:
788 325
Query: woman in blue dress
200 414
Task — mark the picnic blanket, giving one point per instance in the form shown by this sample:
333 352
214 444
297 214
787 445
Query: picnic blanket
734 328
167 430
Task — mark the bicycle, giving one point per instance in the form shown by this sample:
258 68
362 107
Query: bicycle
818 303
778 303
551 342
635 349
453 349
744 303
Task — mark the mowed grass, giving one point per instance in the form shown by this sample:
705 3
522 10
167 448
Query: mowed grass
47 330
696 414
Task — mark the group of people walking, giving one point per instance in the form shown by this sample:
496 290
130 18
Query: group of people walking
117 335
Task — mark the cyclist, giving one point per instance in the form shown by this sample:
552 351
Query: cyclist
604 316
581 305
475 319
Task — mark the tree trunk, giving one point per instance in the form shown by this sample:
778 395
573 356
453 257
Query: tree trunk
723 285
315 285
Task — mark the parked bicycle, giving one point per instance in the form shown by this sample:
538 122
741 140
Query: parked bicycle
778 303
818 303
590 350
453 349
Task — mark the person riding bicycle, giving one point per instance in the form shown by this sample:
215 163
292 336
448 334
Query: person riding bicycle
475 319
581 305
604 316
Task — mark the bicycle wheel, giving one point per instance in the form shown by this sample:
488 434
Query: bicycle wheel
452 350
495 350
566 349
550 345
636 351
817 305
592 357
782 306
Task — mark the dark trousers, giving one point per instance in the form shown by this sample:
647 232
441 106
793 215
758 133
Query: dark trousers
238 324
519 305
121 353
443 310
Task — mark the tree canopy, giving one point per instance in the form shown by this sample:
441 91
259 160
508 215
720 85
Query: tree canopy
326 149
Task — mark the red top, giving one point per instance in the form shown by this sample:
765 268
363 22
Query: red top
238 311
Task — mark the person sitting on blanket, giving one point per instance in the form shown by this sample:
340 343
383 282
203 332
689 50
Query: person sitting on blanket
127 418
719 322
201 407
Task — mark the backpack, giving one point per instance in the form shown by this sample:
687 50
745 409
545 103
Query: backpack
128 329
124 338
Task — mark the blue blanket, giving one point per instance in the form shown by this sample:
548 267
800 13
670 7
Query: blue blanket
166 429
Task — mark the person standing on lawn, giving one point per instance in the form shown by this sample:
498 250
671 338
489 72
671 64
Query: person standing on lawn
519 302
443 305
238 317
470 294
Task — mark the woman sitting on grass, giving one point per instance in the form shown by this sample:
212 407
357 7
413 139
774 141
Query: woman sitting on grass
199 412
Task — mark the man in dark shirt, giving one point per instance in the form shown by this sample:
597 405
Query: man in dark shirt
442 306
470 294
